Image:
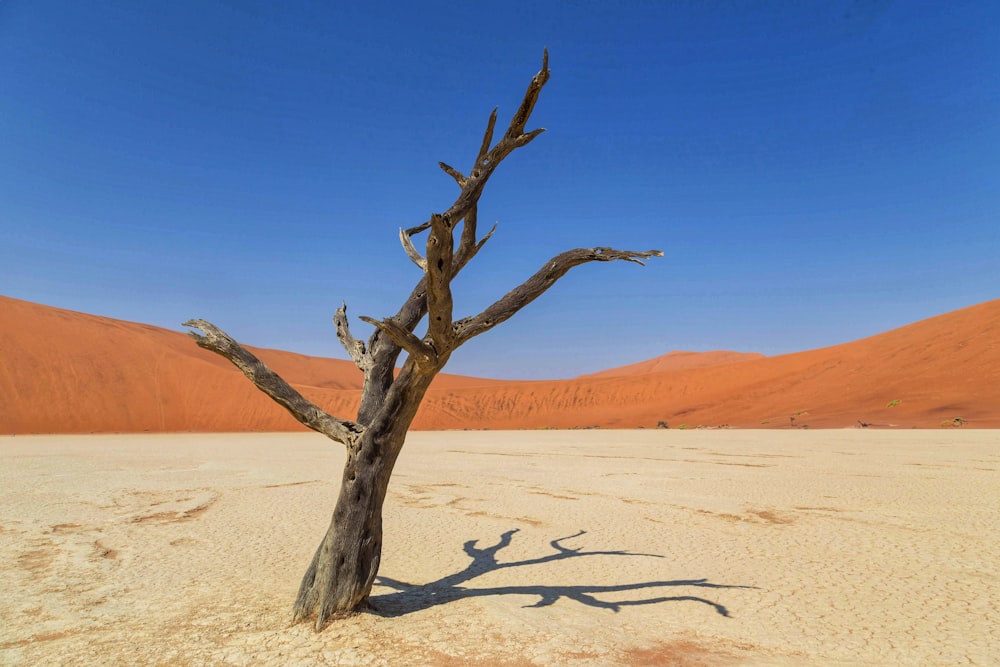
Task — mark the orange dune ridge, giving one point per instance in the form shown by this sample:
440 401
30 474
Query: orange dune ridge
68 372
678 360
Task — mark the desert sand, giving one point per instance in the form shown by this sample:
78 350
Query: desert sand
510 548
68 372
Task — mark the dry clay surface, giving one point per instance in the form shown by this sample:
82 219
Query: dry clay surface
501 548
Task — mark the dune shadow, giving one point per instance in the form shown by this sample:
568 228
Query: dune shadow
409 598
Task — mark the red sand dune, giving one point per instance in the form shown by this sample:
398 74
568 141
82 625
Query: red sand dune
68 372
676 361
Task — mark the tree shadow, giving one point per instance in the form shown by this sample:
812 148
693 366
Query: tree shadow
409 598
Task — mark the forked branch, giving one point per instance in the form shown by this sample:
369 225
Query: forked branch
404 338
489 158
515 137
355 348
269 382
434 287
444 260
538 284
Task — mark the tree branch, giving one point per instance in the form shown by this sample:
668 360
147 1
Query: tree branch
454 173
465 208
404 338
468 247
482 241
384 349
269 382
536 285
411 250
440 251
520 119
355 348
515 137
487 138
419 228
467 244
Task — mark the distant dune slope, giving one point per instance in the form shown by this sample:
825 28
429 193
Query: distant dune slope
937 369
68 372
678 360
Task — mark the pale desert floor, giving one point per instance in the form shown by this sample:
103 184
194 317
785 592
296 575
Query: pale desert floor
511 548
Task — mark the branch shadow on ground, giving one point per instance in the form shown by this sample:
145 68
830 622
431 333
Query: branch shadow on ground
409 598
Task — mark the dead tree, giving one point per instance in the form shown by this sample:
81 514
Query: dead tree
340 576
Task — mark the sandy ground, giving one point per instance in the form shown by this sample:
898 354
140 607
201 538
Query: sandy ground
502 548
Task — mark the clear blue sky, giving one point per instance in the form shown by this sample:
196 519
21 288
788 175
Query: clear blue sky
815 172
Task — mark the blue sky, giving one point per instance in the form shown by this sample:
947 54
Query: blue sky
815 172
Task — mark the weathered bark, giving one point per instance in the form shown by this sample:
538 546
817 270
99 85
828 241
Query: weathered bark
343 568
340 576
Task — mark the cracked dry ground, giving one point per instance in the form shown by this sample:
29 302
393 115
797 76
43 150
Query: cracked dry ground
527 548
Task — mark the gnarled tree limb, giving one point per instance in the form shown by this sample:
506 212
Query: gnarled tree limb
405 339
355 348
514 138
454 173
440 244
488 159
520 118
536 285
411 250
269 382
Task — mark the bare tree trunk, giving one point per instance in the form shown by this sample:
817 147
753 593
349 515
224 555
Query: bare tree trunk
340 576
